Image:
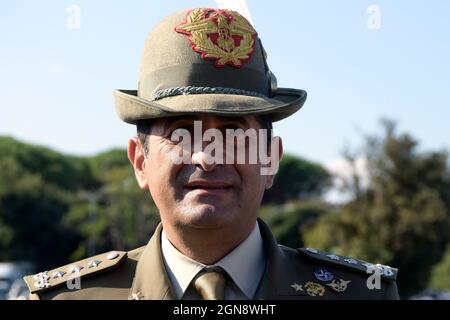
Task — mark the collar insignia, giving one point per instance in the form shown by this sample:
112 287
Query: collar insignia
339 286
297 287
314 289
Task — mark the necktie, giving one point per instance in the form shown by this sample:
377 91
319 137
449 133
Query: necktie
210 284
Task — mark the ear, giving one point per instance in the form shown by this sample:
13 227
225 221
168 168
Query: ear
276 153
136 155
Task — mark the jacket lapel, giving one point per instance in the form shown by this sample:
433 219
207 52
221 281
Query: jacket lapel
280 274
151 281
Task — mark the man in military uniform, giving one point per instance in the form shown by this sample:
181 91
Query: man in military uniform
208 66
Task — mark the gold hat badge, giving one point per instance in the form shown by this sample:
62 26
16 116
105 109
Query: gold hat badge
221 35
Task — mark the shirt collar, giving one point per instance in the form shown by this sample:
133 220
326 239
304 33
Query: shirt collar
181 269
245 264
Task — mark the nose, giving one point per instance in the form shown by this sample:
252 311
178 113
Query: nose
203 160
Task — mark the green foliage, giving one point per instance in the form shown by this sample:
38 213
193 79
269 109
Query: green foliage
440 276
402 219
30 215
67 172
105 161
287 221
297 179
118 215
55 207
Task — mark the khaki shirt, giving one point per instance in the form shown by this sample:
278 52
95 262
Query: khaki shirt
245 266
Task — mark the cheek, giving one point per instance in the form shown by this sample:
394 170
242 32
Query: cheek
252 181
161 173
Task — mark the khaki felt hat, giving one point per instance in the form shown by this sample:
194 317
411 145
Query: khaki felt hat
205 61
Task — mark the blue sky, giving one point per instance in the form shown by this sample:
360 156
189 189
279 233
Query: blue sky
56 84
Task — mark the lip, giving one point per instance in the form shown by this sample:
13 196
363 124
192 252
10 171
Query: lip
208 184
209 187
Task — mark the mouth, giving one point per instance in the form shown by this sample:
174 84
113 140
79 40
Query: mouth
209 187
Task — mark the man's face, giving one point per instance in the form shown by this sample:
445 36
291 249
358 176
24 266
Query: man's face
198 193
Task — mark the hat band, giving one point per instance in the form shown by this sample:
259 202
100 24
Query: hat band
170 92
200 75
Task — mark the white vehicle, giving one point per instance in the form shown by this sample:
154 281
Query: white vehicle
11 274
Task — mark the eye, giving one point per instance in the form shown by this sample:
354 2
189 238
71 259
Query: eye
181 132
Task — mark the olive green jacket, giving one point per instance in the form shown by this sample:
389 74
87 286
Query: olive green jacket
140 274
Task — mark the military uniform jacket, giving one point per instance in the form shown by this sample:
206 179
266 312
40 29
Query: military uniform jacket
289 274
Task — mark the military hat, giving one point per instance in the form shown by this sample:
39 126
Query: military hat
205 61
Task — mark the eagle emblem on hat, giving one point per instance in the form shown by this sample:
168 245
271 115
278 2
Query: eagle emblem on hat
221 35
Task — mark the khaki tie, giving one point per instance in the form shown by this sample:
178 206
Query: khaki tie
210 284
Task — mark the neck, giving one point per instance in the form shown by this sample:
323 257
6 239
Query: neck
207 246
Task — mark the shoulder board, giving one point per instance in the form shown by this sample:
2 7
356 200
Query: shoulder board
386 272
48 280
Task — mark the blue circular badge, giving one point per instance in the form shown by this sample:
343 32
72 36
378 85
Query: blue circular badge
323 275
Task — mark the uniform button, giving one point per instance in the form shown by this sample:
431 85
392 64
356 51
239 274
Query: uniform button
113 255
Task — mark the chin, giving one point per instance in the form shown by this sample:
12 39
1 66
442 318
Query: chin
208 216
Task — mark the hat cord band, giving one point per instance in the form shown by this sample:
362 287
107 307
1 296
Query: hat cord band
176 91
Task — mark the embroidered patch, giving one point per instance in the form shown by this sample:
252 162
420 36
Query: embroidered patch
314 289
339 285
221 35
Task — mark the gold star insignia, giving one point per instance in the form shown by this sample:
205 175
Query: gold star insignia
314 289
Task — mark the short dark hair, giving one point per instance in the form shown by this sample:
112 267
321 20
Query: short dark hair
144 127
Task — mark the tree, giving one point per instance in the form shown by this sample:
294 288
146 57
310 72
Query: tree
440 276
67 172
117 215
293 201
55 207
288 220
403 217
33 200
297 179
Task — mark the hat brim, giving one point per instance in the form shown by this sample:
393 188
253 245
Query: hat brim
131 108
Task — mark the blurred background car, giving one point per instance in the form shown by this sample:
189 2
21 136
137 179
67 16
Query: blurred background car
12 286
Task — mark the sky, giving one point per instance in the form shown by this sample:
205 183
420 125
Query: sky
57 75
